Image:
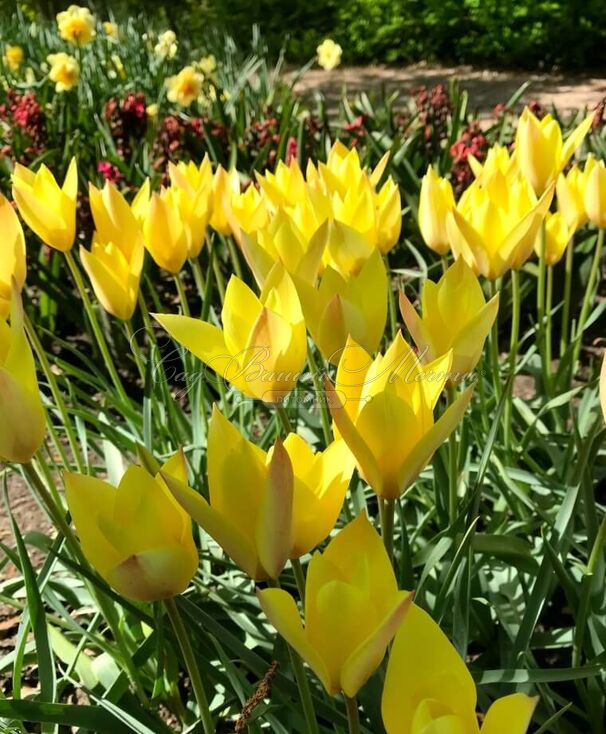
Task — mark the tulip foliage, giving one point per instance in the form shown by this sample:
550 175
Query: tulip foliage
281 497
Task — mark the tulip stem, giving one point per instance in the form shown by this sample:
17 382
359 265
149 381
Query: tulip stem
387 523
304 692
353 714
494 351
587 299
96 326
233 253
182 294
514 343
567 296
208 286
320 394
198 276
190 664
283 418
453 468
541 306
299 574
134 347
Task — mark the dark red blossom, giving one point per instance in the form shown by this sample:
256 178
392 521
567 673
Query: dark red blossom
472 142
26 135
109 171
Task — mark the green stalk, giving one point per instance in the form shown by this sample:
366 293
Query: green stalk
55 392
233 254
595 268
220 280
320 394
387 525
391 296
190 664
134 347
494 350
208 286
567 295
453 468
283 418
514 344
299 577
96 326
199 279
353 715
182 294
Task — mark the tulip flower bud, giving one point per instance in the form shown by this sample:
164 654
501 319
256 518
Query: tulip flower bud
246 213
497 159
22 420
540 150
352 609
165 232
224 185
47 209
455 316
267 507
557 237
262 347
12 255
435 201
570 192
595 192
437 693
136 535
285 187
392 395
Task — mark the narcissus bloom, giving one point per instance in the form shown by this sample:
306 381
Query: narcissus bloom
136 535
540 151
437 694
350 298
64 71
383 409
557 236
111 30
207 64
352 609
329 54
12 255
115 260
455 316
267 507
21 412
76 25
48 210
185 87
495 223
166 48
435 201
570 192
262 347
595 192
13 57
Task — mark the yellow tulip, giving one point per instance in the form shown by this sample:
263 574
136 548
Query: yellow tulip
285 187
12 255
225 184
246 212
13 57
21 412
136 535
603 386
48 210
388 206
383 409
435 201
540 150
76 25
64 71
262 347
329 54
267 507
115 260
185 87
497 159
436 692
342 170
557 237
495 224
190 177
339 305
595 192
352 609
570 191
455 316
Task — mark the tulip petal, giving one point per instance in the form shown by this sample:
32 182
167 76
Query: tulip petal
433 439
469 343
574 140
603 386
510 715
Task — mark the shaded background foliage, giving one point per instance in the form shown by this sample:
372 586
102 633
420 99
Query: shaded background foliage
530 34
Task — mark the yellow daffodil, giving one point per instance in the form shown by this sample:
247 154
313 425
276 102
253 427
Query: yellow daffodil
166 48
436 200
383 409
111 30
115 260
21 411
12 255
570 192
495 223
136 535
595 192
185 87
557 237
64 71
225 184
329 54
207 64
455 316
262 346
352 609
49 210
76 25
267 507
540 150
13 57
436 693
339 305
